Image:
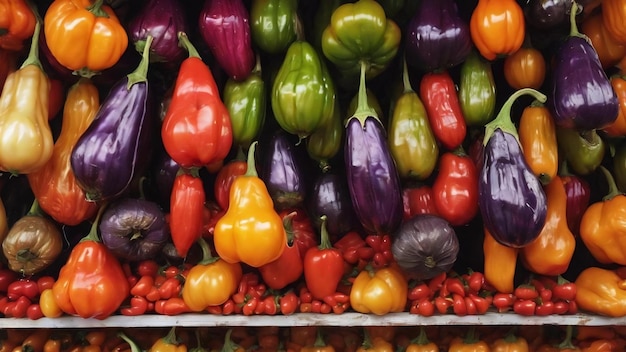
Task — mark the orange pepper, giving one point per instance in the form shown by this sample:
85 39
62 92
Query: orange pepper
525 68
169 343
614 17
565 346
497 27
421 343
34 342
618 127
510 343
609 50
319 345
17 23
469 342
537 135
379 291
377 344
500 263
584 332
601 291
84 37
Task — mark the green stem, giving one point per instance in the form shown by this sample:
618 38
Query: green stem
613 190
183 40
363 109
319 339
96 9
325 240
240 154
367 341
33 53
511 336
288 226
573 29
406 81
564 169
569 332
229 344
35 209
141 72
133 345
503 119
171 338
93 231
207 257
471 337
257 66
422 338
251 170
459 151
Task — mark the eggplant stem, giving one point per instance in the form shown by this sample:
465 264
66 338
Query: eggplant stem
430 262
503 119
363 110
251 170
183 40
141 72
136 235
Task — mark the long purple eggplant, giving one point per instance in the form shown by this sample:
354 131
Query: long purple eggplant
116 146
225 28
437 37
330 196
581 95
162 19
373 180
512 202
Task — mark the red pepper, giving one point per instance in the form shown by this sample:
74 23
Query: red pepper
441 101
171 287
482 304
23 287
7 276
351 245
138 306
249 306
453 285
525 292
298 222
44 282
564 289
503 301
560 307
56 98
459 306
186 209
225 178
147 267
18 308
425 307
475 281
288 303
418 200
33 312
288 267
419 291
524 307
323 266
172 306
544 308
143 286
455 190
436 283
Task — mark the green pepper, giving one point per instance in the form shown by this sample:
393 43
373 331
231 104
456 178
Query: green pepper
245 101
303 94
477 90
619 166
321 19
323 144
583 151
411 140
361 32
274 24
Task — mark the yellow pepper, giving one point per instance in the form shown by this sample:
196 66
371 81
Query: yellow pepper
421 343
510 343
250 231
376 344
379 291
168 343
601 291
537 135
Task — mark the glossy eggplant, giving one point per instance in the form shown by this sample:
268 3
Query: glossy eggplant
437 37
225 28
329 196
581 95
163 172
546 14
162 19
116 147
283 172
134 229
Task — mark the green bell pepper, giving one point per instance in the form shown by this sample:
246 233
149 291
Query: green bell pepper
583 151
303 94
246 102
477 90
361 32
323 144
274 24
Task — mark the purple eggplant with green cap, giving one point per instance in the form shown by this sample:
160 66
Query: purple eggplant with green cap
581 95
512 201
373 179
116 147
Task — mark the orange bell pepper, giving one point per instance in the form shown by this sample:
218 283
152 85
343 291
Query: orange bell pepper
84 37
379 291
497 27
565 346
319 345
469 342
169 343
17 23
603 226
525 68
610 51
601 291
421 343
550 254
614 18
537 135
251 231
376 344
500 262
510 343
618 127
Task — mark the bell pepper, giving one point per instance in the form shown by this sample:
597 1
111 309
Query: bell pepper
26 140
326 141
618 127
583 150
196 129
510 343
603 225
455 189
497 27
443 108
614 18
323 266
225 177
411 139
566 345
374 344
537 135
601 291
250 231
379 291
609 50
469 342
54 185
84 37
421 343
169 343
550 254
211 282
477 90
361 32
186 209
274 24
525 68
303 93
418 200
319 345
500 262
92 283
17 23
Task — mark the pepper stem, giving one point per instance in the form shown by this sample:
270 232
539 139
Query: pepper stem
96 9
35 209
171 338
471 337
406 81
319 339
141 72
288 226
133 345
422 338
229 344
183 40
363 109
33 53
251 170
325 238
367 341
207 257
93 232
613 190
569 332
503 119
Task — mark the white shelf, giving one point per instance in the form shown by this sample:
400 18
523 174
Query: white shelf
308 319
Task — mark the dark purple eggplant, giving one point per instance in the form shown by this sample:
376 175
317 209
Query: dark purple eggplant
425 246
512 201
116 147
162 19
283 172
546 14
581 95
437 37
373 180
329 196
134 229
163 173
225 28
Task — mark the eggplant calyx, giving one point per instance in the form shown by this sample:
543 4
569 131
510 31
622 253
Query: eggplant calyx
430 262
363 109
141 72
97 10
136 235
33 53
24 255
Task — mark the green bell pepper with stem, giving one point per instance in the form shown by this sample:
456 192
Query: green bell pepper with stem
477 90
361 32
274 24
583 151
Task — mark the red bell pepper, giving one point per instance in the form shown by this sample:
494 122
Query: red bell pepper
186 210
297 222
225 177
287 268
323 267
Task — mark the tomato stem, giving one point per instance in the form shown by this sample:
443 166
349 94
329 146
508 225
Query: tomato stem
141 72
613 190
503 119
33 53
251 170
183 40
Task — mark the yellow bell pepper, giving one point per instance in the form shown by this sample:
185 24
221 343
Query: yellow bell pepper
379 291
168 343
601 291
376 344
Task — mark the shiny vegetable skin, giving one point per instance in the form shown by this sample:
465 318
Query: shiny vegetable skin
618 127
545 15
379 291
325 143
323 266
601 291
186 207
525 68
500 262
614 17
273 24
119 138
497 27
17 23
609 50
537 136
225 27
54 185
583 150
84 37
329 196
477 90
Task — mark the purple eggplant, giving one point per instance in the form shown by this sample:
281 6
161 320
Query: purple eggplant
134 229
512 202
373 180
225 28
546 14
163 172
581 95
283 172
329 196
116 146
162 19
437 37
